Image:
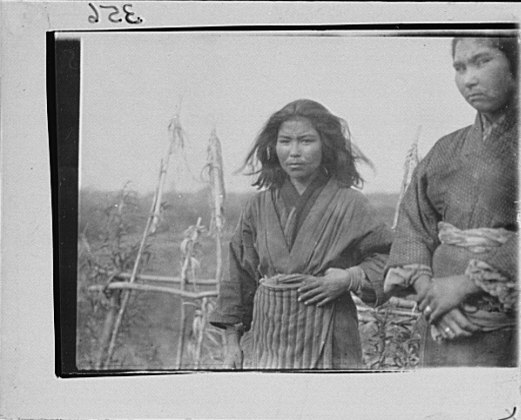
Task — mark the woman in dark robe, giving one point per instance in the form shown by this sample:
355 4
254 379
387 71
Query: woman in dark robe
456 242
302 246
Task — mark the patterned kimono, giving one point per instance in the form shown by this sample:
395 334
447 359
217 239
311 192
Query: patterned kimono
280 235
459 217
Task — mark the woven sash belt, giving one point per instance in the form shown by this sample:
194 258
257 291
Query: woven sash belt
477 242
286 333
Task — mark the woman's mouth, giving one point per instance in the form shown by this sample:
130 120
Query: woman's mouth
474 96
295 166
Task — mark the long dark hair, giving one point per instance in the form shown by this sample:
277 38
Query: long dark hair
338 157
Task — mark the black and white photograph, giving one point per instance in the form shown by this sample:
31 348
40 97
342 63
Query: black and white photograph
239 202
243 197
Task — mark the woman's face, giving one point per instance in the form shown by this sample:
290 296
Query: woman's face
483 75
299 149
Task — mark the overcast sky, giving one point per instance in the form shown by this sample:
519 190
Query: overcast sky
134 83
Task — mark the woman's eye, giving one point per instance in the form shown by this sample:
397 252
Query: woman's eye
459 68
482 61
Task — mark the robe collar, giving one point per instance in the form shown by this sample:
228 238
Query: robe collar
297 206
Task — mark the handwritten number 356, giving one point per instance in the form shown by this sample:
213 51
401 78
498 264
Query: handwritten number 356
130 16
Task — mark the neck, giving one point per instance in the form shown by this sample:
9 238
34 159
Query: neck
510 108
493 117
301 184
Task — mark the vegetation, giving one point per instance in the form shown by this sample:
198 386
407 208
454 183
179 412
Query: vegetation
111 225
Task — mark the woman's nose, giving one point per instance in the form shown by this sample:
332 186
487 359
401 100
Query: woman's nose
470 78
294 149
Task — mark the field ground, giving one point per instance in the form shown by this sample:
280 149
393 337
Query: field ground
150 330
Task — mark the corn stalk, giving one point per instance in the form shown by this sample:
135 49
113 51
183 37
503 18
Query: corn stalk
150 227
411 161
199 329
126 293
189 263
216 181
176 141
215 168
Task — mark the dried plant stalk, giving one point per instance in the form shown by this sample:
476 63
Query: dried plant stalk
176 141
151 225
200 331
137 262
187 248
126 293
411 161
215 165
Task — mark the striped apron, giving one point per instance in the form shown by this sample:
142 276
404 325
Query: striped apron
286 333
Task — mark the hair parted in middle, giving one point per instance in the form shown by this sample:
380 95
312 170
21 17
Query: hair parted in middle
339 156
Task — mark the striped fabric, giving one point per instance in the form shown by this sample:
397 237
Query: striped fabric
288 334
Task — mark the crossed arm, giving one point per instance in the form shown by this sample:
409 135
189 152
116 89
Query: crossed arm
439 298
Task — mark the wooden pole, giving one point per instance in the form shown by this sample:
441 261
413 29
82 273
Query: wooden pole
108 325
125 285
160 279
150 227
156 211
126 293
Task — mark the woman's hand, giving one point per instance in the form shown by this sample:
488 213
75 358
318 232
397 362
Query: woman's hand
323 290
445 294
233 356
454 324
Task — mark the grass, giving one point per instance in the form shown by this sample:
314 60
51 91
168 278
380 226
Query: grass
150 329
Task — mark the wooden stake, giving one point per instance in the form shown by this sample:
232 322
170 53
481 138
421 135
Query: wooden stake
150 227
160 279
107 326
125 285
126 293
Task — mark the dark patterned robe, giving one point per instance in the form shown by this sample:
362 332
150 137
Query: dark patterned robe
470 182
467 182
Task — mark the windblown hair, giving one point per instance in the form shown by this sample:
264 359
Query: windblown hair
508 45
339 157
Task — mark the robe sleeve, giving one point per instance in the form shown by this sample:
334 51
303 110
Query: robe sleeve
504 258
373 250
399 280
416 235
236 292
